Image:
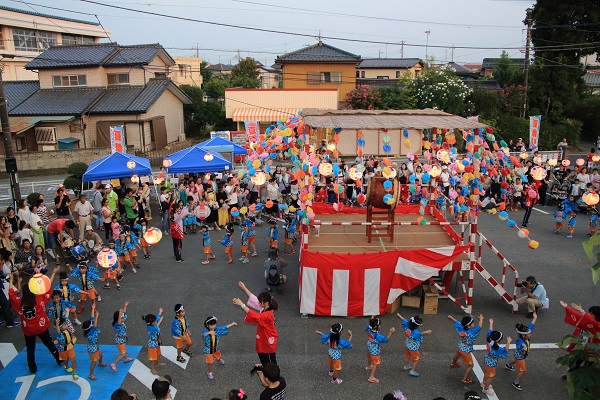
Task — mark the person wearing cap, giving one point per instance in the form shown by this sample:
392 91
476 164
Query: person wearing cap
34 320
336 344
211 335
181 333
86 280
56 236
68 291
92 241
161 387
62 203
83 214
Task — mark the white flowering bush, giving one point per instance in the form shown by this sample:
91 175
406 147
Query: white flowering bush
440 89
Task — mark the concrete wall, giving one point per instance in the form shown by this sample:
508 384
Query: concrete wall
295 76
54 160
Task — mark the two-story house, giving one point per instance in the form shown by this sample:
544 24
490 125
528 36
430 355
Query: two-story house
387 71
24 34
186 71
83 90
320 66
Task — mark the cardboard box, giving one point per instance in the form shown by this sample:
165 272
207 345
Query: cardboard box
412 298
430 299
395 305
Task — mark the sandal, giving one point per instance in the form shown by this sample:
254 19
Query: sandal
368 368
204 262
466 381
373 380
181 359
455 365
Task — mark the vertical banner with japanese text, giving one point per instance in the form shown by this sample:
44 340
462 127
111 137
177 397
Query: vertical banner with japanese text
252 131
534 132
117 139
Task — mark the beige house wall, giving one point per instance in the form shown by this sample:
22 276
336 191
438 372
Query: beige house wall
280 98
169 106
191 73
98 76
295 76
373 73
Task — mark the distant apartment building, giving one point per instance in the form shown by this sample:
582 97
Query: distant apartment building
186 71
24 35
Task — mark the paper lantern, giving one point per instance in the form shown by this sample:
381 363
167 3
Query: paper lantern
326 169
167 162
537 160
580 162
331 146
269 203
443 156
523 233
590 198
243 210
157 181
207 176
259 178
202 212
533 244
552 162
435 171
208 157
361 198
389 172
524 155
354 174
153 235
538 173
107 258
135 179
39 284
131 164
566 162
595 158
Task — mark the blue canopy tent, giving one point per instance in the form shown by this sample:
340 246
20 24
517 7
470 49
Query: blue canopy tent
115 166
221 145
193 160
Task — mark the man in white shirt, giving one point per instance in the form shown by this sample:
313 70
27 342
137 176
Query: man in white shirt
445 178
83 214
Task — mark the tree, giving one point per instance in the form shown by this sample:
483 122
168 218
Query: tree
74 180
215 88
245 74
362 98
442 90
487 103
205 72
202 116
564 31
506 73
394 97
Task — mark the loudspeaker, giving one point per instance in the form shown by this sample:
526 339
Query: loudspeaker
11 164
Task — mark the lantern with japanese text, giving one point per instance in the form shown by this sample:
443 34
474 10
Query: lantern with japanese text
538 173
208 157
39 284
552 162
388 172
326 169
167 162
131 164
135 179
354 173
435 171
107 258
259 178
565 162
153 235
590 198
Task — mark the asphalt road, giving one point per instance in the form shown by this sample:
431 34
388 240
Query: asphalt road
559 263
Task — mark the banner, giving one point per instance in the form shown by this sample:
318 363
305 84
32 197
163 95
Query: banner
222 134
534 132
117 139
252 132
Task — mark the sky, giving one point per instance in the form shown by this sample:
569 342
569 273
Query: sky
475 28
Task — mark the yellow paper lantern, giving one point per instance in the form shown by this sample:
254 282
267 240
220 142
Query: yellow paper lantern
407 142
243 210
107 258
590 198
208 157
552 162
524 155
292 209
435 171
326 169
39 284
256 163
207 176
389 172
153 235
259 178
354 173
443 156
595 158
157 181
533 244
131 164
135 179
167 162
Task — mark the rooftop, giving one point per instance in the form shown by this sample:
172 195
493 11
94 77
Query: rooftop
389 63
91 55
320 52
491 63
37 14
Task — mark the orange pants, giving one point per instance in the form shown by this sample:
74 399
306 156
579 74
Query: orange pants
210 358
413 355
67 354
153 353
183 341
228 249
96 356
521 365
376 360
467 358
122 348
334 365
559 225
490 372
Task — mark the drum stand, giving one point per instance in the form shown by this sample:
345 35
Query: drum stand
378 214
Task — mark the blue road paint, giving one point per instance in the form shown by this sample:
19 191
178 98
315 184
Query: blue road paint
53 382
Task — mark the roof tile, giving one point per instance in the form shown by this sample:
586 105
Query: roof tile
148 96
116 100
18 91
57 102
320 52
388 63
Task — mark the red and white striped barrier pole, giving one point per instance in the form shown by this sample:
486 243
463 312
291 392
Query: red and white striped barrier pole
384 223
472 239
441 289
505 263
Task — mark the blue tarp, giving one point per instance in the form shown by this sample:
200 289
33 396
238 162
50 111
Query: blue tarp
115 166
192 160
221 145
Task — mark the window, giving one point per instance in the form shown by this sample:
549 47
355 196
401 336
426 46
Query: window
331 77
383 77
68 39
358 74
30 40
118 79
69 80
417 73
45 135
1 39
21 143
362 74
183 70
397 74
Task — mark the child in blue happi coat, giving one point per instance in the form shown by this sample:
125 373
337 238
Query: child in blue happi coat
521 351
495 351
336 344
414 338
373 349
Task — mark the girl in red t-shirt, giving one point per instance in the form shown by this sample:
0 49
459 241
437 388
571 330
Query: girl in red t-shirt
34 320
264 317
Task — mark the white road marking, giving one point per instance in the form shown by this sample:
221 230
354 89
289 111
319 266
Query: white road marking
7 353
145 376
543 212
170 353
479 374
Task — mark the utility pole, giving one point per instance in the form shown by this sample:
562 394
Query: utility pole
427 32
402 49
197 56
10 161
452 52
529 22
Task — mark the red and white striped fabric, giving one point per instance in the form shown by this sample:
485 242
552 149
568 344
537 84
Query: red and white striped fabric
365 284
